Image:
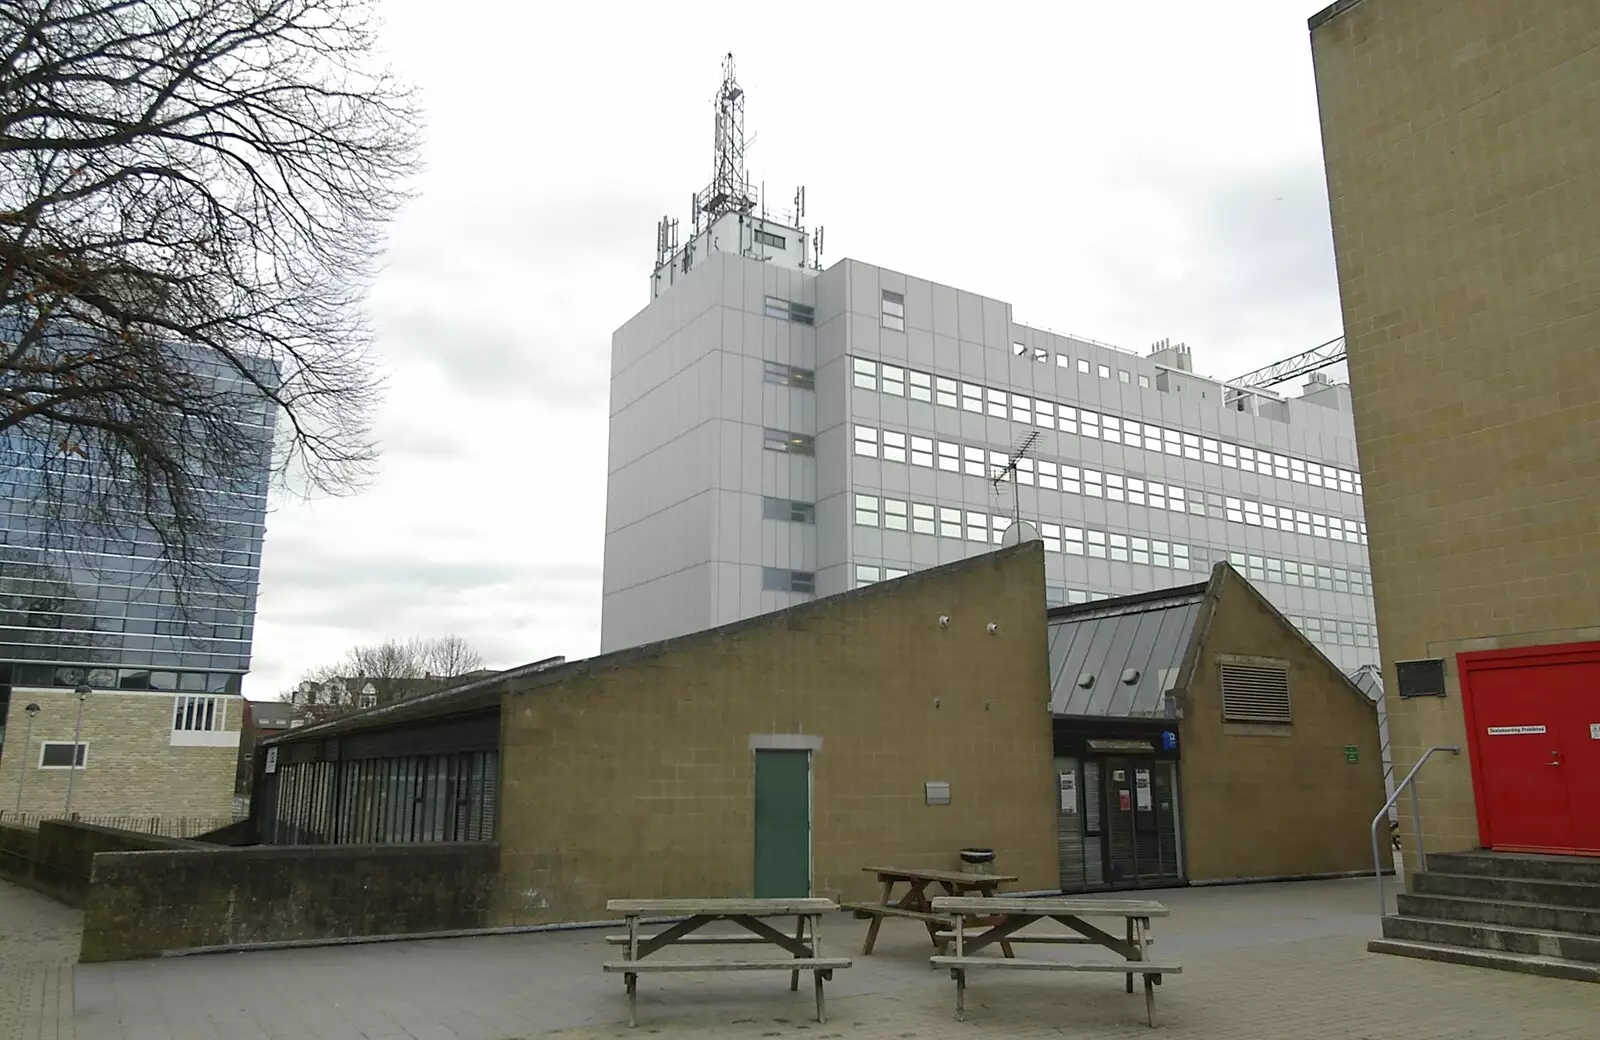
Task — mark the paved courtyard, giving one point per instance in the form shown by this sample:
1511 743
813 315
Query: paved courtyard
1262 962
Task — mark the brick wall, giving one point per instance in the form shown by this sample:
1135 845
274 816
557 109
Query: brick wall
1462 141
1276 801
131 768
636 778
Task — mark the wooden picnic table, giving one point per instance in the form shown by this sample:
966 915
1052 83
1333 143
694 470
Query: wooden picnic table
915 903
1006 917
804 947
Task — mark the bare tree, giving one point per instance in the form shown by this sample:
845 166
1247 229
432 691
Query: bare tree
450 657
383 673
192 193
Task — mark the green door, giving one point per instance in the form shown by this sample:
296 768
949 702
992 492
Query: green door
783 824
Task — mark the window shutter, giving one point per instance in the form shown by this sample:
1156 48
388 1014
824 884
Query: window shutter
1255 693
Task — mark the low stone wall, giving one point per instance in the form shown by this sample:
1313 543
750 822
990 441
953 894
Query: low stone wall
143 904
57 858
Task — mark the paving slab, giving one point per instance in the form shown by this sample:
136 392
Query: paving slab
38 947
1272 962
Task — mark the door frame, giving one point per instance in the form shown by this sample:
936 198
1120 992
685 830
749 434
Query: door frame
789 742
1472 662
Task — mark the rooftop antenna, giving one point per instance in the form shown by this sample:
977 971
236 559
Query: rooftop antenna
816 247
729 191
1009 472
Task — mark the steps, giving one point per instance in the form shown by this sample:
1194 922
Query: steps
1534 914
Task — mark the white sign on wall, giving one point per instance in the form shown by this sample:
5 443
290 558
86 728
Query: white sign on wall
1512 731
1594 731
1068 783
272 760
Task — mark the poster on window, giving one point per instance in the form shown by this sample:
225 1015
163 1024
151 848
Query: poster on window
1068 782
1141 789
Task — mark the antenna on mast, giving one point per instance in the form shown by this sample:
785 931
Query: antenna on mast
1016 532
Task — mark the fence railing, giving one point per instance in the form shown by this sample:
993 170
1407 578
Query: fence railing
164 826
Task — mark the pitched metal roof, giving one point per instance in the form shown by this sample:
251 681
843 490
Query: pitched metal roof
1117 658
1369 680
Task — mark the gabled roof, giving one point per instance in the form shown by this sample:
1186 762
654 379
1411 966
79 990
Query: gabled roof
486 693
1117 658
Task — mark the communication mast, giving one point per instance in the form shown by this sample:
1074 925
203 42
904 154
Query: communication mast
730 189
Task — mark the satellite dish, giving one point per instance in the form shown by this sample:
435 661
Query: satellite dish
1020 531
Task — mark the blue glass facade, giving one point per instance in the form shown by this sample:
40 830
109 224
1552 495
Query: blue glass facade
98 604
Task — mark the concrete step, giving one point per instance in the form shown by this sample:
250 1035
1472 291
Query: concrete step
1496 938
1550 967
1516 890
1536 916
1518 865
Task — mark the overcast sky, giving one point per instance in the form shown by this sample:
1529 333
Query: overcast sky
1124 171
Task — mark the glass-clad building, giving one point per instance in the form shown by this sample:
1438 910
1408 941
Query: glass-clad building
96 601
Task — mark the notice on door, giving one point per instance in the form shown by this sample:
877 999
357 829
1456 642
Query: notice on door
1141 789
272 760
1124 803
1513 731
1594 731
1068 782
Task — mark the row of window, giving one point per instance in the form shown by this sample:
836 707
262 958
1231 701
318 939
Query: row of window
970 525
788 310
1002 404
780 579
199 714
1335 631
975 461
946 522
790 375
788 510
1042 356
120 678
788 442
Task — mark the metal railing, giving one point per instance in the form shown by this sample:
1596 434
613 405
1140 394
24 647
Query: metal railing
1416 820
164 826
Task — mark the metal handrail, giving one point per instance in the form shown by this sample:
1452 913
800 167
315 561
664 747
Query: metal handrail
1416 820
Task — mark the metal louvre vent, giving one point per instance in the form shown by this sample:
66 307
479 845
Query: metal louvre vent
1255 693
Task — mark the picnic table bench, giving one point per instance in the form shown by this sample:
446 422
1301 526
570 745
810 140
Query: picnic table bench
915 902
804 947
1005 917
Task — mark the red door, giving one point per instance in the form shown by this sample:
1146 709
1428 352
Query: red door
1580 752
1535 760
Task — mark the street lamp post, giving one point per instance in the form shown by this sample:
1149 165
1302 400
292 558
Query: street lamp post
22 766
77 746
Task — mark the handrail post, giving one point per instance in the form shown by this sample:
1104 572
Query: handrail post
1416 820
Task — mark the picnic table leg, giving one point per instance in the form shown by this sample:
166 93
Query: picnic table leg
1130 943
877 920
799 936
1141 929
961 993
630 980
816 976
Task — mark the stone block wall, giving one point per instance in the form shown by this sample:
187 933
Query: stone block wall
132 767
1274 800
1462 144
635 777
58 857
141 904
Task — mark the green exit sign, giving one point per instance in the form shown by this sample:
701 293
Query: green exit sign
1352 753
